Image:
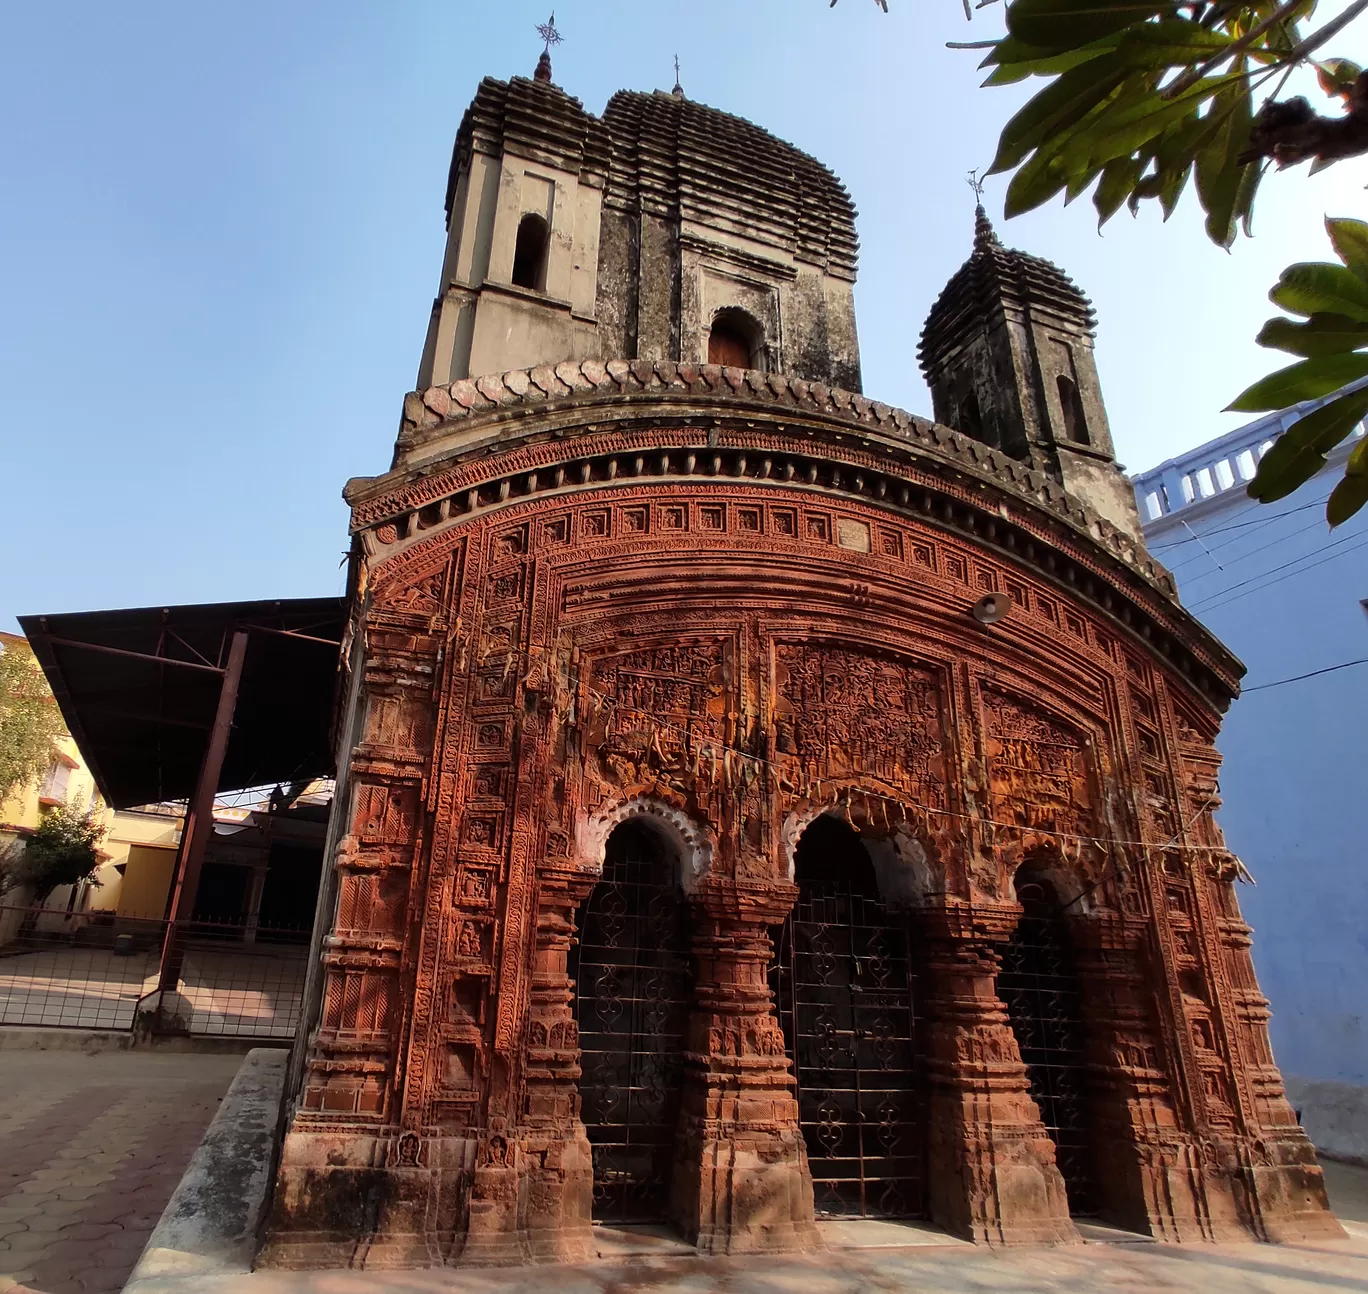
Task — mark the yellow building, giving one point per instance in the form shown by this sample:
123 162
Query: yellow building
137 853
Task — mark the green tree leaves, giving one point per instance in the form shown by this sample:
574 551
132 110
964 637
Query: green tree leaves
1140 97
1334 341
29 719
61 851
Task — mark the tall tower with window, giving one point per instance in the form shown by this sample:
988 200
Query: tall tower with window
638 236
1007 351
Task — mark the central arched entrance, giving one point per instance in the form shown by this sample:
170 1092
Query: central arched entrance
1039 986
844 989
630 968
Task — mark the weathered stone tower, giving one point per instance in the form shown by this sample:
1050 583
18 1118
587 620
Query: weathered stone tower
658 232
756 803
1008 354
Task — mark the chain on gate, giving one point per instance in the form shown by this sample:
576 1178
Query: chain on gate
631 973
844 989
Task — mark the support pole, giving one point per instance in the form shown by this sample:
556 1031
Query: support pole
199 820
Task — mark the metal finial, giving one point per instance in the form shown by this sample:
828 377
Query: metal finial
547 31
678 90
975 183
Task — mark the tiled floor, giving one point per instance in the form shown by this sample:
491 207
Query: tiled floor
91 1147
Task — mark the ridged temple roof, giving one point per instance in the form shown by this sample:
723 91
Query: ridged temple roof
993 279
677 158
530 119
709 167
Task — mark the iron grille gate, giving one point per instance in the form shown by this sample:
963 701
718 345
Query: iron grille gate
632 979
844 990
1039 985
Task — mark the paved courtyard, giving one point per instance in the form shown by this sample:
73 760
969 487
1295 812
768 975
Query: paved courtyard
234 991
91 1147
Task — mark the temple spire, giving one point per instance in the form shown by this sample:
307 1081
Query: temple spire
547 31
984 234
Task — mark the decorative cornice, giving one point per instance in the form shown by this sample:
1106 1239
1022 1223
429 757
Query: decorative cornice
475 445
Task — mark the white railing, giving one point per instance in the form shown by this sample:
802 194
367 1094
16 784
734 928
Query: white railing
1219 466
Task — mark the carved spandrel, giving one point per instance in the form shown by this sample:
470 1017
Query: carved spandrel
1038 768
658 713
844 713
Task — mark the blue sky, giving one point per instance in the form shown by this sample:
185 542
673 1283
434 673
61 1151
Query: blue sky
221 233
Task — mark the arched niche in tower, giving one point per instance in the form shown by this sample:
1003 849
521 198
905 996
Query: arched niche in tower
1071 407
736 339
530 252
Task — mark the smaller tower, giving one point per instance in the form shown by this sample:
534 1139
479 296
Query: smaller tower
520 276
1007 351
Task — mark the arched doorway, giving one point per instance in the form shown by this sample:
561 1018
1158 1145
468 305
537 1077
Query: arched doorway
736 339
630 968
1039 985
844 988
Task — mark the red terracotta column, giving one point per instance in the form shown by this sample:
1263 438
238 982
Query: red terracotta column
533 1187
1144 1165
992 1173
741 1181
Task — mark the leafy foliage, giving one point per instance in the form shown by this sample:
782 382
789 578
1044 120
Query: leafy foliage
29 719
62 851
1333 343
1144 96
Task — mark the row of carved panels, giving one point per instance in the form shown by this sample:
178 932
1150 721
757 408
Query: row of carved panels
417 579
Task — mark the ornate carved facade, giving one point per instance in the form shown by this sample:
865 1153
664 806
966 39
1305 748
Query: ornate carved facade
622 633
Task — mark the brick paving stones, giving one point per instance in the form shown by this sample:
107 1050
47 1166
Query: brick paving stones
91 1147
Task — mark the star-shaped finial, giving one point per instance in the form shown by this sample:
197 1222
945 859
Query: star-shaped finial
547 31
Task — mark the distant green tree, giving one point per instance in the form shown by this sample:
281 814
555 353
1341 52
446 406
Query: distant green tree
62 851
1142 96
29 719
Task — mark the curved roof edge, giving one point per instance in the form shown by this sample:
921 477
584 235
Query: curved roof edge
463 443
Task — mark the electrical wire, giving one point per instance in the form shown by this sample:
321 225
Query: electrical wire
1238 525
1297 678
1220 594
1211 604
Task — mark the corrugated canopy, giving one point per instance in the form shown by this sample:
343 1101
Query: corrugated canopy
138 690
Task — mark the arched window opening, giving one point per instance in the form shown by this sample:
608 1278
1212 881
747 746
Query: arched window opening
844 992
1039 985
529 253
630 968
1071 405
736 340
970 420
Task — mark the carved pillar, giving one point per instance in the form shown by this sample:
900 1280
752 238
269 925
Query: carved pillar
1145 1166
556 1181
1285 1184
741 1181
992 1174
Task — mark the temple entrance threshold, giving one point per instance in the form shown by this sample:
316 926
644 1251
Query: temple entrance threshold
631 972
845 995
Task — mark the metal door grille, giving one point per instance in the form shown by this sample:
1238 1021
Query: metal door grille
845 994
1039 985
632 980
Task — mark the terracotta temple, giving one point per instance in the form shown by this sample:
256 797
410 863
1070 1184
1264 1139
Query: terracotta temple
756 803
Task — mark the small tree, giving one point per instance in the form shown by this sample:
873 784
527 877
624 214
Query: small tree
62 851
29 719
